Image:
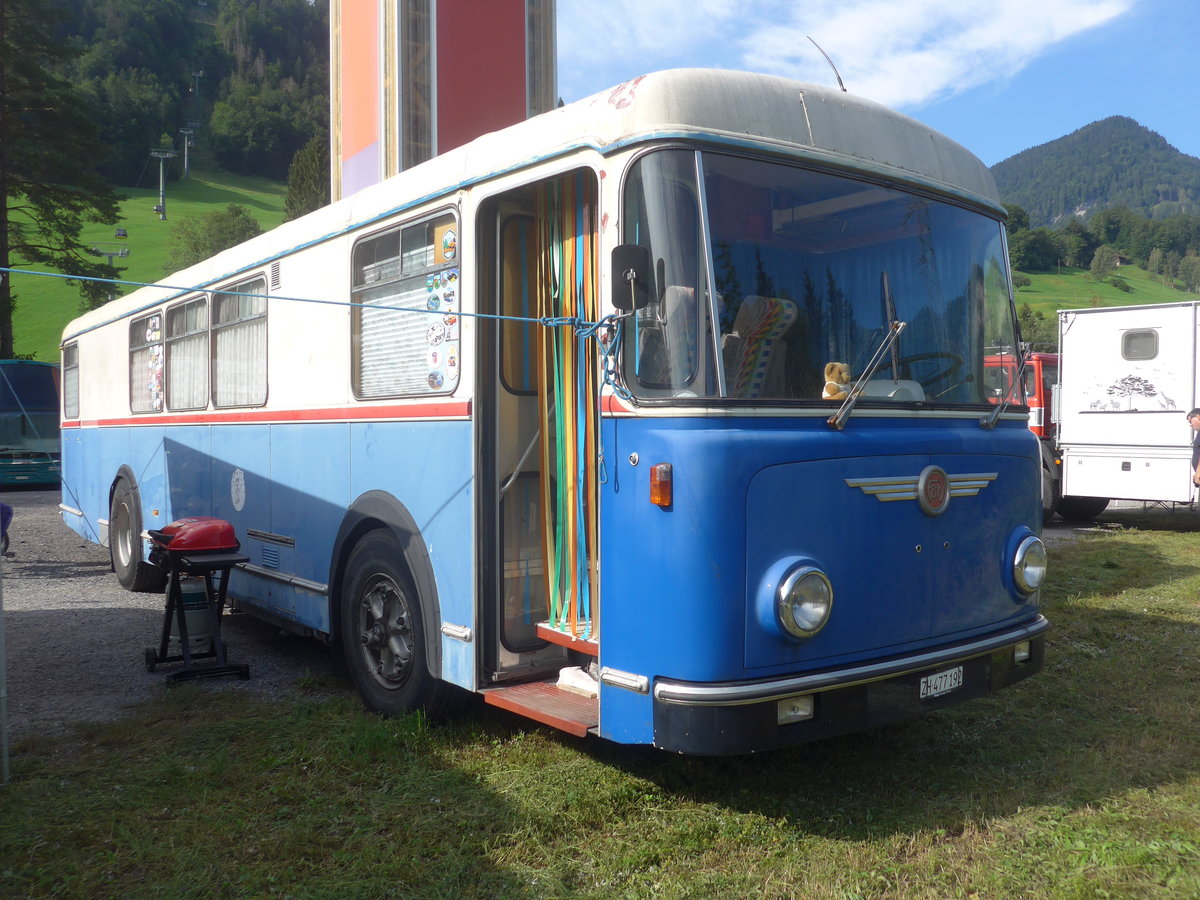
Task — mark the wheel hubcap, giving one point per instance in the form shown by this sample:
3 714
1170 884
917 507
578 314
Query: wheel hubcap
123 540
386 632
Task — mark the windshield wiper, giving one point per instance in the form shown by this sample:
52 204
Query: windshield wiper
989 421
838 419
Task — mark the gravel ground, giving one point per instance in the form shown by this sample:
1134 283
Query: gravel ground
75 639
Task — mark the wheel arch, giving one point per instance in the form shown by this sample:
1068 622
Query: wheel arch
376 510
124 473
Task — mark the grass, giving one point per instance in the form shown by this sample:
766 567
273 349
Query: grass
1071 288
46 305
1083 782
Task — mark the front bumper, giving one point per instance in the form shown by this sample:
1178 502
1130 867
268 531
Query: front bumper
741 717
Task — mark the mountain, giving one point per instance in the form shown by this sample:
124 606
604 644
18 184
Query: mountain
1110 163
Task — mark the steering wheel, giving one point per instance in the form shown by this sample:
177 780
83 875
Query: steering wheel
950 363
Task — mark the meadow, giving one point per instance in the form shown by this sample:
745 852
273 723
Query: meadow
1073 288
45 305
1083 782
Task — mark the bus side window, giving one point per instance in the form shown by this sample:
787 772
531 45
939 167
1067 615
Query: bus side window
70 381
146 364
187 355
239 341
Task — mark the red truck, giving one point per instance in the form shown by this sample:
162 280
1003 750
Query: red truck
1040 378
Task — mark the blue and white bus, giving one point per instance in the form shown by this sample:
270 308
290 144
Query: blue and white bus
29 451
544 419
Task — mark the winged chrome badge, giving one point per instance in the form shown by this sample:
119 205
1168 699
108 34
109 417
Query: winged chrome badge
933 488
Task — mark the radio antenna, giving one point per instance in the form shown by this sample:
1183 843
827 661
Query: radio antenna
831 65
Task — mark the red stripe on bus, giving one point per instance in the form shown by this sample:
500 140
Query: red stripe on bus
456 410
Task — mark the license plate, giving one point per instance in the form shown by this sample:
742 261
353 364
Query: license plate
941 683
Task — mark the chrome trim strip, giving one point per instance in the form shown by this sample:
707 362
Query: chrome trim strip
903 487
664 408
294 580
62 507
639 684
776 689
269 538
458 632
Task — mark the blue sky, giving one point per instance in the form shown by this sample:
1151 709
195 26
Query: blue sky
998 76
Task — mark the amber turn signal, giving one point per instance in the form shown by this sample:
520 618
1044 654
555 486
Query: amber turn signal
660 485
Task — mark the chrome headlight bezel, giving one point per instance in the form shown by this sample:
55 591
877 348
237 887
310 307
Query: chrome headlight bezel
1029 565
804 601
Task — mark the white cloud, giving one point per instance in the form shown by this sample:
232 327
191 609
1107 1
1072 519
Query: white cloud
904 53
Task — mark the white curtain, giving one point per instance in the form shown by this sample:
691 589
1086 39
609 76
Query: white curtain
241 364
187 372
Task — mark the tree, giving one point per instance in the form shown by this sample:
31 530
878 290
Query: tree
308 179
1039 334
195 240
48 184
1189 273
1154 264
1018 219
1078 243
1103 262
1033 250
1132 386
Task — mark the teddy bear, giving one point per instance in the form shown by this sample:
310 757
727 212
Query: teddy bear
837 381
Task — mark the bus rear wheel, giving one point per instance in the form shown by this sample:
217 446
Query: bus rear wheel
382 629
125 543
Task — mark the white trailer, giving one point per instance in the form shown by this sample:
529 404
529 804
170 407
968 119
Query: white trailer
1127 378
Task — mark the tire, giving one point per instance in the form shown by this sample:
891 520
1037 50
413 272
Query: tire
382 634
1081 509
125 543
1052 491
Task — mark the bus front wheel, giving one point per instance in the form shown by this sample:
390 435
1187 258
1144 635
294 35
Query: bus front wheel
383 632
125 543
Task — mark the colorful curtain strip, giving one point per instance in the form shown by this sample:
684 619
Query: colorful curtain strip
568 395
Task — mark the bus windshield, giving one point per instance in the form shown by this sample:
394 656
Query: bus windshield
766 272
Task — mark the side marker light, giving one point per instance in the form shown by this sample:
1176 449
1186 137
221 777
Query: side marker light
660 485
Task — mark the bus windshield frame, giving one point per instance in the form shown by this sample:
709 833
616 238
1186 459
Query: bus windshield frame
810 267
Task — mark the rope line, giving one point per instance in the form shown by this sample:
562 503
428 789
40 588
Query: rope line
583 326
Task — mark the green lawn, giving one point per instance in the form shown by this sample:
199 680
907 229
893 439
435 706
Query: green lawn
1070 288
1083 782
46 305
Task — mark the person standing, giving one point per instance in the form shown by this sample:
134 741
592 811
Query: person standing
1193 418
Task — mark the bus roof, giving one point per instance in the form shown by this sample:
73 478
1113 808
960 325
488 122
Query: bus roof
738 109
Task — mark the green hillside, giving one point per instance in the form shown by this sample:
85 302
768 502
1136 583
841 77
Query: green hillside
45 305
1071 288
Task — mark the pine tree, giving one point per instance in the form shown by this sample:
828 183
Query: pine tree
308 179
48 185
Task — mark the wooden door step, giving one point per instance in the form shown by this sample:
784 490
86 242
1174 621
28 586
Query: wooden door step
554 636
545 702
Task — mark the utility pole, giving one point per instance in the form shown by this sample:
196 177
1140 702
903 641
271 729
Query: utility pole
187 142
162 156
196 76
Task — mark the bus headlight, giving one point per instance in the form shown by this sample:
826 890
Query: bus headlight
1029 564
803 601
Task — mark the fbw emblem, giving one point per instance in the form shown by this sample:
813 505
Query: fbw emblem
933 490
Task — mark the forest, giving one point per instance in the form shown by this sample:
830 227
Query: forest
248 78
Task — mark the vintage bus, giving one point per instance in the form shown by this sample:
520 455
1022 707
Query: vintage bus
543 420
29 414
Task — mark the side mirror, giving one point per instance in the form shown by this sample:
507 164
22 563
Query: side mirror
631 268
